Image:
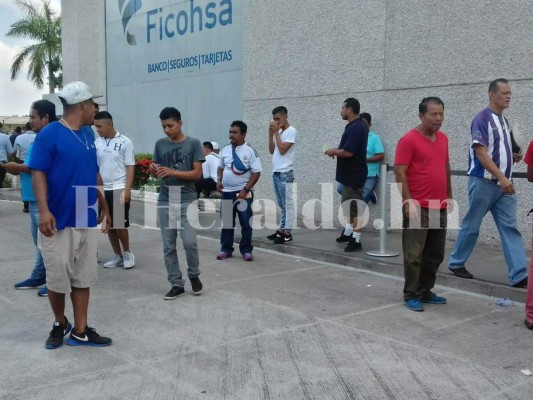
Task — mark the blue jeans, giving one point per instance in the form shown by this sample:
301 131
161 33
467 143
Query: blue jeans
283 188
169 215
39 272
370 185
229 208
485 196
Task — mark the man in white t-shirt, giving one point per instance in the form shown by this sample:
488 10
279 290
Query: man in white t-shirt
238 172
20 148
281 144
116 160
208 183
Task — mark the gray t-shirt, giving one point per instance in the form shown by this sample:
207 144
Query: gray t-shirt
179 156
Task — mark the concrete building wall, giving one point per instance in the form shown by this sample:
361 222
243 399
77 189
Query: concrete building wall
311 55
83 35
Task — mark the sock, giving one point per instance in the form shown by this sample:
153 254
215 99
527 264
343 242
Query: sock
348 230
357 236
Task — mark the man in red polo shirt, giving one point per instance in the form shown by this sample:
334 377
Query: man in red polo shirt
422 170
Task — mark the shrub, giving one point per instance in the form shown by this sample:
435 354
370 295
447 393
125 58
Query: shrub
142 173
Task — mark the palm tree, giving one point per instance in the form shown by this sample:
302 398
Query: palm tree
40 24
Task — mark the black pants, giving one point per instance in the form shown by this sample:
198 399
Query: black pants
205 185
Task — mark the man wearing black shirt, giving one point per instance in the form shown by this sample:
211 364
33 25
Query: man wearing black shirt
351 171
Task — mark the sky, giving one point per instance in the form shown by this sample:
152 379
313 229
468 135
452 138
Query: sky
16 96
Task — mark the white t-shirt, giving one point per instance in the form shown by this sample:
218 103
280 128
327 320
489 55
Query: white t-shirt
284 162
22 144
249 157
210 166
113 156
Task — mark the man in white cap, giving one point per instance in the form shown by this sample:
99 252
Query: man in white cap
65 178
208 183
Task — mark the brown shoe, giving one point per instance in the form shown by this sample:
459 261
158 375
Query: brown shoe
529 325
521 284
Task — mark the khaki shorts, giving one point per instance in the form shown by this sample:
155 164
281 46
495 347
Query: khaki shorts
349 206
70 259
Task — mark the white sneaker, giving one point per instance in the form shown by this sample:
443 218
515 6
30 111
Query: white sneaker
129 260
114 262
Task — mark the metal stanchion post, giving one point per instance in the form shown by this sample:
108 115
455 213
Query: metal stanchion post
382 252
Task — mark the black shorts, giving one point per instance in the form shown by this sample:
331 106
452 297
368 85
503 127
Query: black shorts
120 213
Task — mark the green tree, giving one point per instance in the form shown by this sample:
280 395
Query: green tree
40 24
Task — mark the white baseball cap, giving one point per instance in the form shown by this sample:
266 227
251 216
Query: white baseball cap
76 92
216 146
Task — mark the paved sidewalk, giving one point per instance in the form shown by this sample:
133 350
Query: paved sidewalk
281 327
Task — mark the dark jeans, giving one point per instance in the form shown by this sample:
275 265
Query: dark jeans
229 208
423 251
205 185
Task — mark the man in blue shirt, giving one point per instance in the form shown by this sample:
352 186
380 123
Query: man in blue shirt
65 178
43 112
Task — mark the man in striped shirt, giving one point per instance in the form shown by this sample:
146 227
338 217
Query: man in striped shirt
490 187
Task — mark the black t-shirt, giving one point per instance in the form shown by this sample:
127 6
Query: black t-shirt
352 171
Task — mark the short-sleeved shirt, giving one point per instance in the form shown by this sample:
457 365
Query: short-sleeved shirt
352 171
231 181
25 180
492 131
5 147
179 156
528 158
427 163
22 144
284 162
68 158
210 166
373 147
114 155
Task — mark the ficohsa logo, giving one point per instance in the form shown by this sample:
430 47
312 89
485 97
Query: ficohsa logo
128 8
186 18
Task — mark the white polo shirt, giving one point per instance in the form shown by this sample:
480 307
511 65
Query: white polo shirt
113 156
249 157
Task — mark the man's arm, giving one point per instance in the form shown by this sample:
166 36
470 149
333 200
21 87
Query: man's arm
16 169
487 163
102 203
283 147
339 153
192 175
220 186
529 173
130 171
400 172
47 222
376 158
251 183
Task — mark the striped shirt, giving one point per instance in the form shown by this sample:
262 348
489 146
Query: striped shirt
492 131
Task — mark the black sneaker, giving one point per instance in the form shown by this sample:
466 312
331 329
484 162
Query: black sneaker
88 338
353 245
174 293
521 284
274 236
58 332
461 272
197 286
343 238
283 239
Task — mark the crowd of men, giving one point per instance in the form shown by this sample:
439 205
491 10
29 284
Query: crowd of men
65 165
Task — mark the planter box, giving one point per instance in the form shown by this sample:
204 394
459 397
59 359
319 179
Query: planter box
143 195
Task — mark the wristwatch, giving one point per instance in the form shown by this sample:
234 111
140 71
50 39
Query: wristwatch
246 189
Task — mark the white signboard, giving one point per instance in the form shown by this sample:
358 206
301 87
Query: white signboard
186 54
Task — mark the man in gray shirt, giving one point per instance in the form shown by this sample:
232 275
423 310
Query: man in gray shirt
5 151
178 161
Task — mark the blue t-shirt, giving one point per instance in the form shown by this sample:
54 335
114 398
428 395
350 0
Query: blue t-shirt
25 180
373 147
69 161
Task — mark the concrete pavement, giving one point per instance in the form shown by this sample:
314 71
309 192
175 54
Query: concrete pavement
282 327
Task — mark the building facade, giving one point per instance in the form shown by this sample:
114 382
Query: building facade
221 60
